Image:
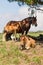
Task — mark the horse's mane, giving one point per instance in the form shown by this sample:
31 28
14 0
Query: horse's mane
28 18
12 22
9 23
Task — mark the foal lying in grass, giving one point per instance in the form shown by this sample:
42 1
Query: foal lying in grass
27 42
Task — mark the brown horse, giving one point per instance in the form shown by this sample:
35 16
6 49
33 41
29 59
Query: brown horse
14 27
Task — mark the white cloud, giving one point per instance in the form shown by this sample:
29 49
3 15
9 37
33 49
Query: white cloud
23 10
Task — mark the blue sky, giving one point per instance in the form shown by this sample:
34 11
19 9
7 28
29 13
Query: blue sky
7 12
11 11
6 7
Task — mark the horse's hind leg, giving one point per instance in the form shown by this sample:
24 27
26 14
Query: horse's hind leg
15 34
8 37
4 37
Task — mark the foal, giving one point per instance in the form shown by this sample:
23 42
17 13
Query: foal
27 42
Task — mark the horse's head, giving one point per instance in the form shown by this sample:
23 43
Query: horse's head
34 21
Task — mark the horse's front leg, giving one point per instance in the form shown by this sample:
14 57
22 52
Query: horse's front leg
22 32
26 31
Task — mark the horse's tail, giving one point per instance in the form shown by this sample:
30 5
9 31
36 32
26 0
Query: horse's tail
4 31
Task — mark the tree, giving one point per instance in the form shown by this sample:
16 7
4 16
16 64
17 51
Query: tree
32 4
28 2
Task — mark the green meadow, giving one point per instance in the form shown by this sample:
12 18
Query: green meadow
10 54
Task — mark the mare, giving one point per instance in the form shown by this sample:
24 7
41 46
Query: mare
13 27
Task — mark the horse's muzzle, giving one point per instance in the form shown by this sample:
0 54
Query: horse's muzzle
35 25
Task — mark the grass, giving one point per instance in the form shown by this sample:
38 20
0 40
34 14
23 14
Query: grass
1 36
36 59
18 54
34 51
35 33
11 55
27 59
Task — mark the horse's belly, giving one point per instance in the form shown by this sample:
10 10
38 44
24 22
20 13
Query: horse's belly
19 31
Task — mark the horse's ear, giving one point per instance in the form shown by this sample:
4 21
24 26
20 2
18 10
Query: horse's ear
36 16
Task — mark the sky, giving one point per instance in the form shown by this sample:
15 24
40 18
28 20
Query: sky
12 11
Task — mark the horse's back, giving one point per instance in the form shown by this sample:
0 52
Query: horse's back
10 22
